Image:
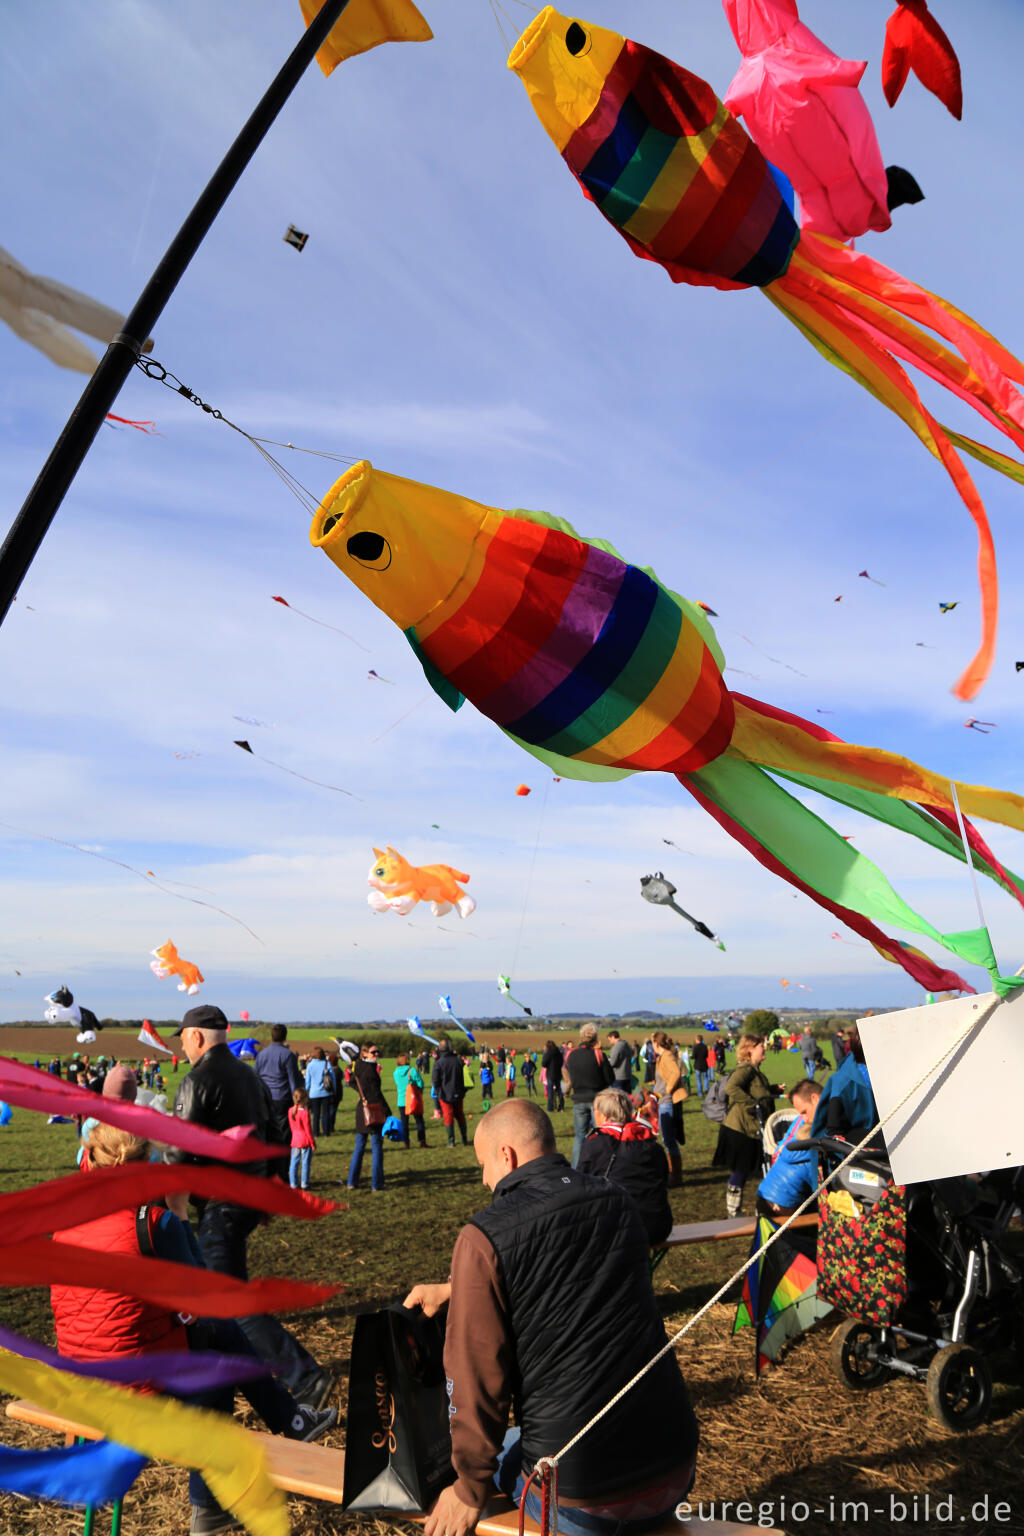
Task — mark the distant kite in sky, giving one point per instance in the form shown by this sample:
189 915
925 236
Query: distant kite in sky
946 607
1018 666
417 1029
709 611
522 789
803 110
377 677
295 238
982 726
594 667
397 886
445 1004
282 769
265 725
915 41
333 627
149 427
149 1036
64 1010
146 874
672 169
871 578
661 892
505 988
167 962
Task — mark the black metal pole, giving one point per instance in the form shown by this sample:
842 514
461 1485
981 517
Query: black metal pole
29 527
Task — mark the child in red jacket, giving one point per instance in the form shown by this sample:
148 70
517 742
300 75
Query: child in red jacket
303 1140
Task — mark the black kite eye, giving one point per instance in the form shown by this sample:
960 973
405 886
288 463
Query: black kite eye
576 40
370 549
329 523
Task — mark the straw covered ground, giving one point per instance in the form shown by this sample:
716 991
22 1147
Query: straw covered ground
804 1452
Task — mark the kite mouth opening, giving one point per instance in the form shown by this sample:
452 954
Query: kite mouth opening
530 39
340 504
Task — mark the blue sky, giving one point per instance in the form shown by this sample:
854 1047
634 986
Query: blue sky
460 315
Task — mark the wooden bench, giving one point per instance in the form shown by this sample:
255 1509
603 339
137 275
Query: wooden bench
716 1231
318 1472
729 1226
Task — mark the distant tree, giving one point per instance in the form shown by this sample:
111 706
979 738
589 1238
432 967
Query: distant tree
763 1020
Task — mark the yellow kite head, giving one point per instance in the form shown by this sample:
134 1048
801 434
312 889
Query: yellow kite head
405 545
564 64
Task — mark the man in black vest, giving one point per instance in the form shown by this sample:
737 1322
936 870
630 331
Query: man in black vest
540 1284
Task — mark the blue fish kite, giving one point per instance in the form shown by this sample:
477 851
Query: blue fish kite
446 1008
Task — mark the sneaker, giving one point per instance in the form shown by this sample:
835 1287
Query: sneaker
310 1423
210 1520
318 1391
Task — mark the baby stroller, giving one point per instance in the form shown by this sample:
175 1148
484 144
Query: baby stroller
774 1130
923 1275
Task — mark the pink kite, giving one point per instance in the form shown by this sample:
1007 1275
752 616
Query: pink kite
26 1088
803 110
915 41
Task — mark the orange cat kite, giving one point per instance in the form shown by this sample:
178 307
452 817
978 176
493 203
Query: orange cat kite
396 886
168 962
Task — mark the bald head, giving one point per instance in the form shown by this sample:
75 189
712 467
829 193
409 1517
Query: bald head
509 1135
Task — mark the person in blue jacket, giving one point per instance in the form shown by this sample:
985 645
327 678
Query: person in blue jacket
847 1105
320 1087
794 1173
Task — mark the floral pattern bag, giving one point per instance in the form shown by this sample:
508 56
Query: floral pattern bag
862 1250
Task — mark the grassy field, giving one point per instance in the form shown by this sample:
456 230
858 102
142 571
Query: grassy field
795 1433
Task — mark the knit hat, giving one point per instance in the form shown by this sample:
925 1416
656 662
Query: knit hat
120 1083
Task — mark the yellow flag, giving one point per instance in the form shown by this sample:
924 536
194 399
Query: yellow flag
365 23
231 1462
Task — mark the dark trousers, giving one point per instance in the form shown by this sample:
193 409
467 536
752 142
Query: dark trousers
274 1405
555 1090
319 1115
280 1130
421 1130
223 1233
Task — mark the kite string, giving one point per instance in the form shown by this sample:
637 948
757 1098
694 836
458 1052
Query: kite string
551 1462
149 879
529 878
305 497
967 856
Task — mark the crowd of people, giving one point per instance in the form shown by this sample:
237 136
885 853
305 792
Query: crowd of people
515 1274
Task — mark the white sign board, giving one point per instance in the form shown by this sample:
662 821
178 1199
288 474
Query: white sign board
965 1118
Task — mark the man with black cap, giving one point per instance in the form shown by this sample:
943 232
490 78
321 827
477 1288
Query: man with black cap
221 1092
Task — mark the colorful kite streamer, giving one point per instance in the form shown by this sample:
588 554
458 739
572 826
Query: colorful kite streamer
596 669
231 1460
676 174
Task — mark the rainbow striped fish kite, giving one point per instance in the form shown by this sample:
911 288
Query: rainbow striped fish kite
671 168
595 668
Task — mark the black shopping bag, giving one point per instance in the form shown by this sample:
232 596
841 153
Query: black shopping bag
398 1444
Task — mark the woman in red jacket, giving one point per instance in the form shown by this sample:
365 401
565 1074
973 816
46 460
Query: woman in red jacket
97 1324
